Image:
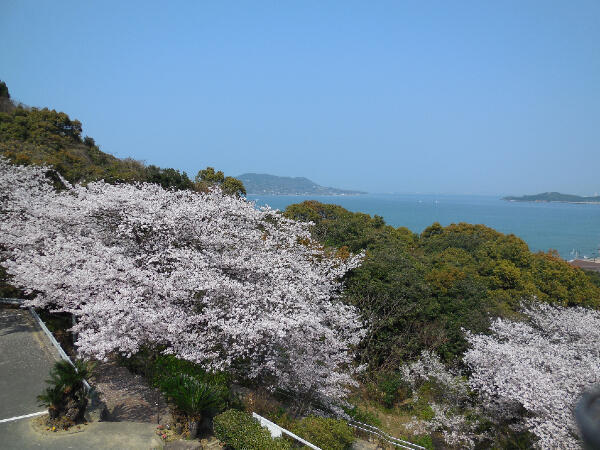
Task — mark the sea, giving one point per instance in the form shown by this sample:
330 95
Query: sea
571 229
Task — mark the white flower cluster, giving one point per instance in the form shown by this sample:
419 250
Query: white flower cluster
429 367
209 277
543 365
453 392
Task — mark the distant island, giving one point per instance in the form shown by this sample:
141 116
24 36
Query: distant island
554 197
265 184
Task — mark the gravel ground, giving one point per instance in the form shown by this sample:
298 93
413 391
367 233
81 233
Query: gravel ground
128 397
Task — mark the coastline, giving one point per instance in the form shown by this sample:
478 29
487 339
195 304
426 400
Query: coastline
321 194
551 201
586 264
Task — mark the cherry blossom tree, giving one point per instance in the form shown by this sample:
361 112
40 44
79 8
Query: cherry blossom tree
542 365
205 276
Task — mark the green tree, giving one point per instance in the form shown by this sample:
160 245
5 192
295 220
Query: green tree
207 178
209 175
4 90
420 292
233 186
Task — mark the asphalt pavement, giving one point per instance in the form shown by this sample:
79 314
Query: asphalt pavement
26 357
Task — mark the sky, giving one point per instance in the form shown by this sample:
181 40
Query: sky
461 97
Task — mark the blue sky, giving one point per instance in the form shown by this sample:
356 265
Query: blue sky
490 97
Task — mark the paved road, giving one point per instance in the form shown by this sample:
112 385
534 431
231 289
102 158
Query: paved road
26 356
99 435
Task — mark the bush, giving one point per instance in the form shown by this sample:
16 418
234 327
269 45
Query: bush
392 388
65 396
329 434
172 376
239 430
362 415
192 397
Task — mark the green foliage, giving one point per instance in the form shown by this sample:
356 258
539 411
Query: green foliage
44 136
208 178
67 377
194 390
170 365
4 90
233 186
209 175
168 178
423 440
190 395
392 387
238 430
593 276
89 141
327 433
423 411
420 292
65 383
6 104
6 289
337 227
362 415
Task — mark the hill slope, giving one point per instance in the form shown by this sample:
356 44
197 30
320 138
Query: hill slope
262 183
45 136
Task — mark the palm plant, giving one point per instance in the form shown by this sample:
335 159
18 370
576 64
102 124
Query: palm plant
65 383
192 397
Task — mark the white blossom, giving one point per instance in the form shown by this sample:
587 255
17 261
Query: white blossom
543 365
452 389
429 367
208 277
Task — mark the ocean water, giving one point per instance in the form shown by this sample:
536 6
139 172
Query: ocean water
571 229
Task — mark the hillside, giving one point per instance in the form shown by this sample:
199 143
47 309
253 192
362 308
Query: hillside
44 136
554 197
262 183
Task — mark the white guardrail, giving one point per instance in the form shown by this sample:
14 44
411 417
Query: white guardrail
277 431
40 322
384 436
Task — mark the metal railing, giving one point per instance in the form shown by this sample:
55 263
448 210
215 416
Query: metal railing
47 332
277 431
370 429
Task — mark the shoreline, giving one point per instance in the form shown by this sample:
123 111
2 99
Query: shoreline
551 201
592 264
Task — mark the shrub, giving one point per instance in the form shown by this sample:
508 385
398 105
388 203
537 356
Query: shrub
329 434
65 395
392 388
423 440
169 364
239 430
362 415
192 397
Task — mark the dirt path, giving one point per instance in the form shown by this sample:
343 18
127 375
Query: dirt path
128 397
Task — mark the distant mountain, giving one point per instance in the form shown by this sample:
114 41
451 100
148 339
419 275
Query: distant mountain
262 183
554 197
